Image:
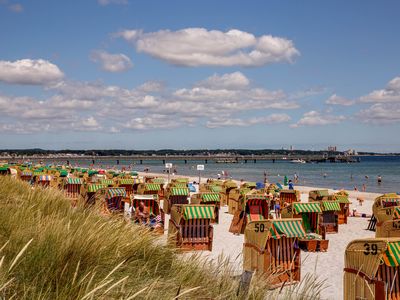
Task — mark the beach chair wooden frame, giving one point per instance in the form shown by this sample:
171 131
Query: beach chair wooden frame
310 214
252 207
190 227
26 175
271 248
318 195
72 187
44 180
372 269
92 191
344 203
114 200
209 199
383 208
329 218
153 203
149 189
289 196
233 199
175 195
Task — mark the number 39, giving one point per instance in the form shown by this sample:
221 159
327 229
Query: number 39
259 227
370 249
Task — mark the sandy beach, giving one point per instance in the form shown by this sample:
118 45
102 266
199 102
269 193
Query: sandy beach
327 265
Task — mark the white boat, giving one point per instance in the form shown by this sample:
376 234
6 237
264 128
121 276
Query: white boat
298 161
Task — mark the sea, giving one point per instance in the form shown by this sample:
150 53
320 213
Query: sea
363 174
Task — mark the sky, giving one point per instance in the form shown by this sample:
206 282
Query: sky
125 74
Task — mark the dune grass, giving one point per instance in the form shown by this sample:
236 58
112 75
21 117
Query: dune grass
49 250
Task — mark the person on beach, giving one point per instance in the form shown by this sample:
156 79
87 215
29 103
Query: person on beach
277 209
364 187
291 186
142 213
296 177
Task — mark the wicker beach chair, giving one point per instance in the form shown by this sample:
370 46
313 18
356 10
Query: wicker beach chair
372 269
72 187
156 213
271 248
289 196
384 208
318 195
175 195
252 207
208 198
190 226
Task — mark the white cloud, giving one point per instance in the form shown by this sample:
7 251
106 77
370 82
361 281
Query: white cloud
154 121
380 113
389 94
219 100
201 47
111 62
28 71
338 100
108 2
314 118
271 119
228 81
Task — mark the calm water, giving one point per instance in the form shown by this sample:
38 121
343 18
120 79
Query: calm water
338 175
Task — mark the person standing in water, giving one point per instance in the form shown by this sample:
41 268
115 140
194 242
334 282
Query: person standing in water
379 179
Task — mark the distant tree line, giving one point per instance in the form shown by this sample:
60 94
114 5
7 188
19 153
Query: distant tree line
163 152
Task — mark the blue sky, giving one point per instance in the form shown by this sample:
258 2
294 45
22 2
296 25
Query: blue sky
209 74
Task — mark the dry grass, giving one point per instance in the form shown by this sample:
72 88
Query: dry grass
49 250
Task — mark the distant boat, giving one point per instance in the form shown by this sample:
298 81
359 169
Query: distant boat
298 161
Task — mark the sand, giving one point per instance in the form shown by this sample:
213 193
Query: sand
327 265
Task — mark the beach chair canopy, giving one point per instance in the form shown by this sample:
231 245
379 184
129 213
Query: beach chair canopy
63 173
386 200
330 206
107 181
175 191
93 188
310 207
180 180
320 193
342 199
178 185
215 188
210 197
152 187
192 212
258 232
230 184
44 178
115 192
158 180
71 180
367 254
93 172
250 185
126 181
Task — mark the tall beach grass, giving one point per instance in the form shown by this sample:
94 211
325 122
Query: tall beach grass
49 250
